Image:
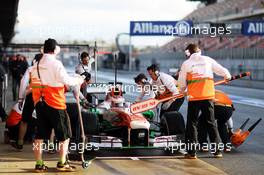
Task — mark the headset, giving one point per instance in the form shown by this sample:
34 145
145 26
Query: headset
57 50
155 69
157 73
187 52
143 80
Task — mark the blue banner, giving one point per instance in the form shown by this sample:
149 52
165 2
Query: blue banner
253 27
160 28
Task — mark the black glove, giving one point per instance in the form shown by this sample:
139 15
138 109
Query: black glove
85 104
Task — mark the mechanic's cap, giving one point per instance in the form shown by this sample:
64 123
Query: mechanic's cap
87 76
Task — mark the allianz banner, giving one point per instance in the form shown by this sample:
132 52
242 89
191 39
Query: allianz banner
160 28
253 27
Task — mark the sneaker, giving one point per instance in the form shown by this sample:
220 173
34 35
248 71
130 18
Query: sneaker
218 154
227 149
6 137
66 167
15 145
41 168
190 156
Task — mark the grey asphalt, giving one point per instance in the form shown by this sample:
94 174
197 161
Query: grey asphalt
247 159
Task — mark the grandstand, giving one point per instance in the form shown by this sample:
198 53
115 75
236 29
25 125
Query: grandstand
224 9
230 50
228 10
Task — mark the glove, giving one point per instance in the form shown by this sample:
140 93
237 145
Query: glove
20 103
85 104
227 78
166 105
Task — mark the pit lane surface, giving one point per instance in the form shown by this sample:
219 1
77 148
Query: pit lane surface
249 103
247 159
12 162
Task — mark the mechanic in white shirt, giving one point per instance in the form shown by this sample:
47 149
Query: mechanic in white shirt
164 85
85 65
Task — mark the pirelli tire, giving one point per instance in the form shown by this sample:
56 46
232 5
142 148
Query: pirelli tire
73 115
90 121
173 123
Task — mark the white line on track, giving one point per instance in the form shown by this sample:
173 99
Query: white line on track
134 158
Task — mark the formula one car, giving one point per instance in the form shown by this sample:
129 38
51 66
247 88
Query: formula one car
112 130
111 126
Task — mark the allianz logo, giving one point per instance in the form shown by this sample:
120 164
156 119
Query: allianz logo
181 28
257 27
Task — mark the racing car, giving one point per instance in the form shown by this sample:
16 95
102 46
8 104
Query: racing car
111 127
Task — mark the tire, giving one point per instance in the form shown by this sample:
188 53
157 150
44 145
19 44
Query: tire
90 123
73 115
173 123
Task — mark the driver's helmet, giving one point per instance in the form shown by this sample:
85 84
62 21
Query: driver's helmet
116 92
116 97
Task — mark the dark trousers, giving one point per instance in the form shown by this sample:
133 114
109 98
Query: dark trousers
3 114
222 115
13 132
194 108
175 106
15 87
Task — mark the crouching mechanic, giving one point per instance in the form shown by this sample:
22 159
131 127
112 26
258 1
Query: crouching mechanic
48 78
164 85
197 76
12 124
223 110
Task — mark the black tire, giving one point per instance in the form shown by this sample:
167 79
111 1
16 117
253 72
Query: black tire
173 123
86 164
73 115
90 123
